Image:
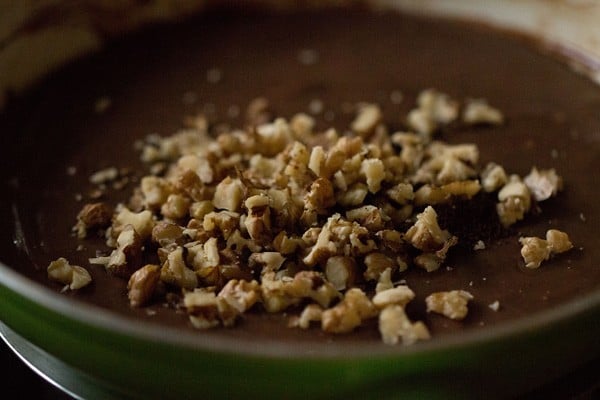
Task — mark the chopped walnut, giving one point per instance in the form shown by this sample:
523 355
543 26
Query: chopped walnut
354 196
495 306
452 304
543 184
432 261
155 190
428 261
176 207
302 125
312 312
324 246
127 256
258 221
142 284
402 193
258 111
320 196
266 261
341 271
493 177
166 233
395 326
273 137
349 313
274 295
385 281
515 201
142 222
535 250
203 308
175 272
368 117
91 217
434 109
223 222
311 284
559 241
376 264
371 217
73 276
478 111
432 195
374 172
104 175
426 234
228 194
240 295
400 295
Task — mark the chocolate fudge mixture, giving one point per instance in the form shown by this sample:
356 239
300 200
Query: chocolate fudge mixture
88 117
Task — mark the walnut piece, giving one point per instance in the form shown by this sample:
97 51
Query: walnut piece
543 184
91 217
434 109
368 117
349 313
452 304
535 250
514 201
400 295
341 271
478 111
395 326
426 234
73 276
142 284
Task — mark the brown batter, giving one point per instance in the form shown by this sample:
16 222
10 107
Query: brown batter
154 79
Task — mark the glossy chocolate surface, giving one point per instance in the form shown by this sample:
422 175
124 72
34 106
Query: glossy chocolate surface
156 78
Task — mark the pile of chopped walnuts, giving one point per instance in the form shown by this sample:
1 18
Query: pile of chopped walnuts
284 217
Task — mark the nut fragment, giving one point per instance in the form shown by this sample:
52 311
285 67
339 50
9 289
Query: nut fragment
376 264
312 312
515 201
93 216
228 194
543 184
175 272
73 276
203 308
535 250
426 234
142 222
395 326
452 304
349 313
341 271
366 120
478 111
434 109
240 295
400 295
559 241
493 177
127 257
142 284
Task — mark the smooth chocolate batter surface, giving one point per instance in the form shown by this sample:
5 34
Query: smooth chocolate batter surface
156 78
